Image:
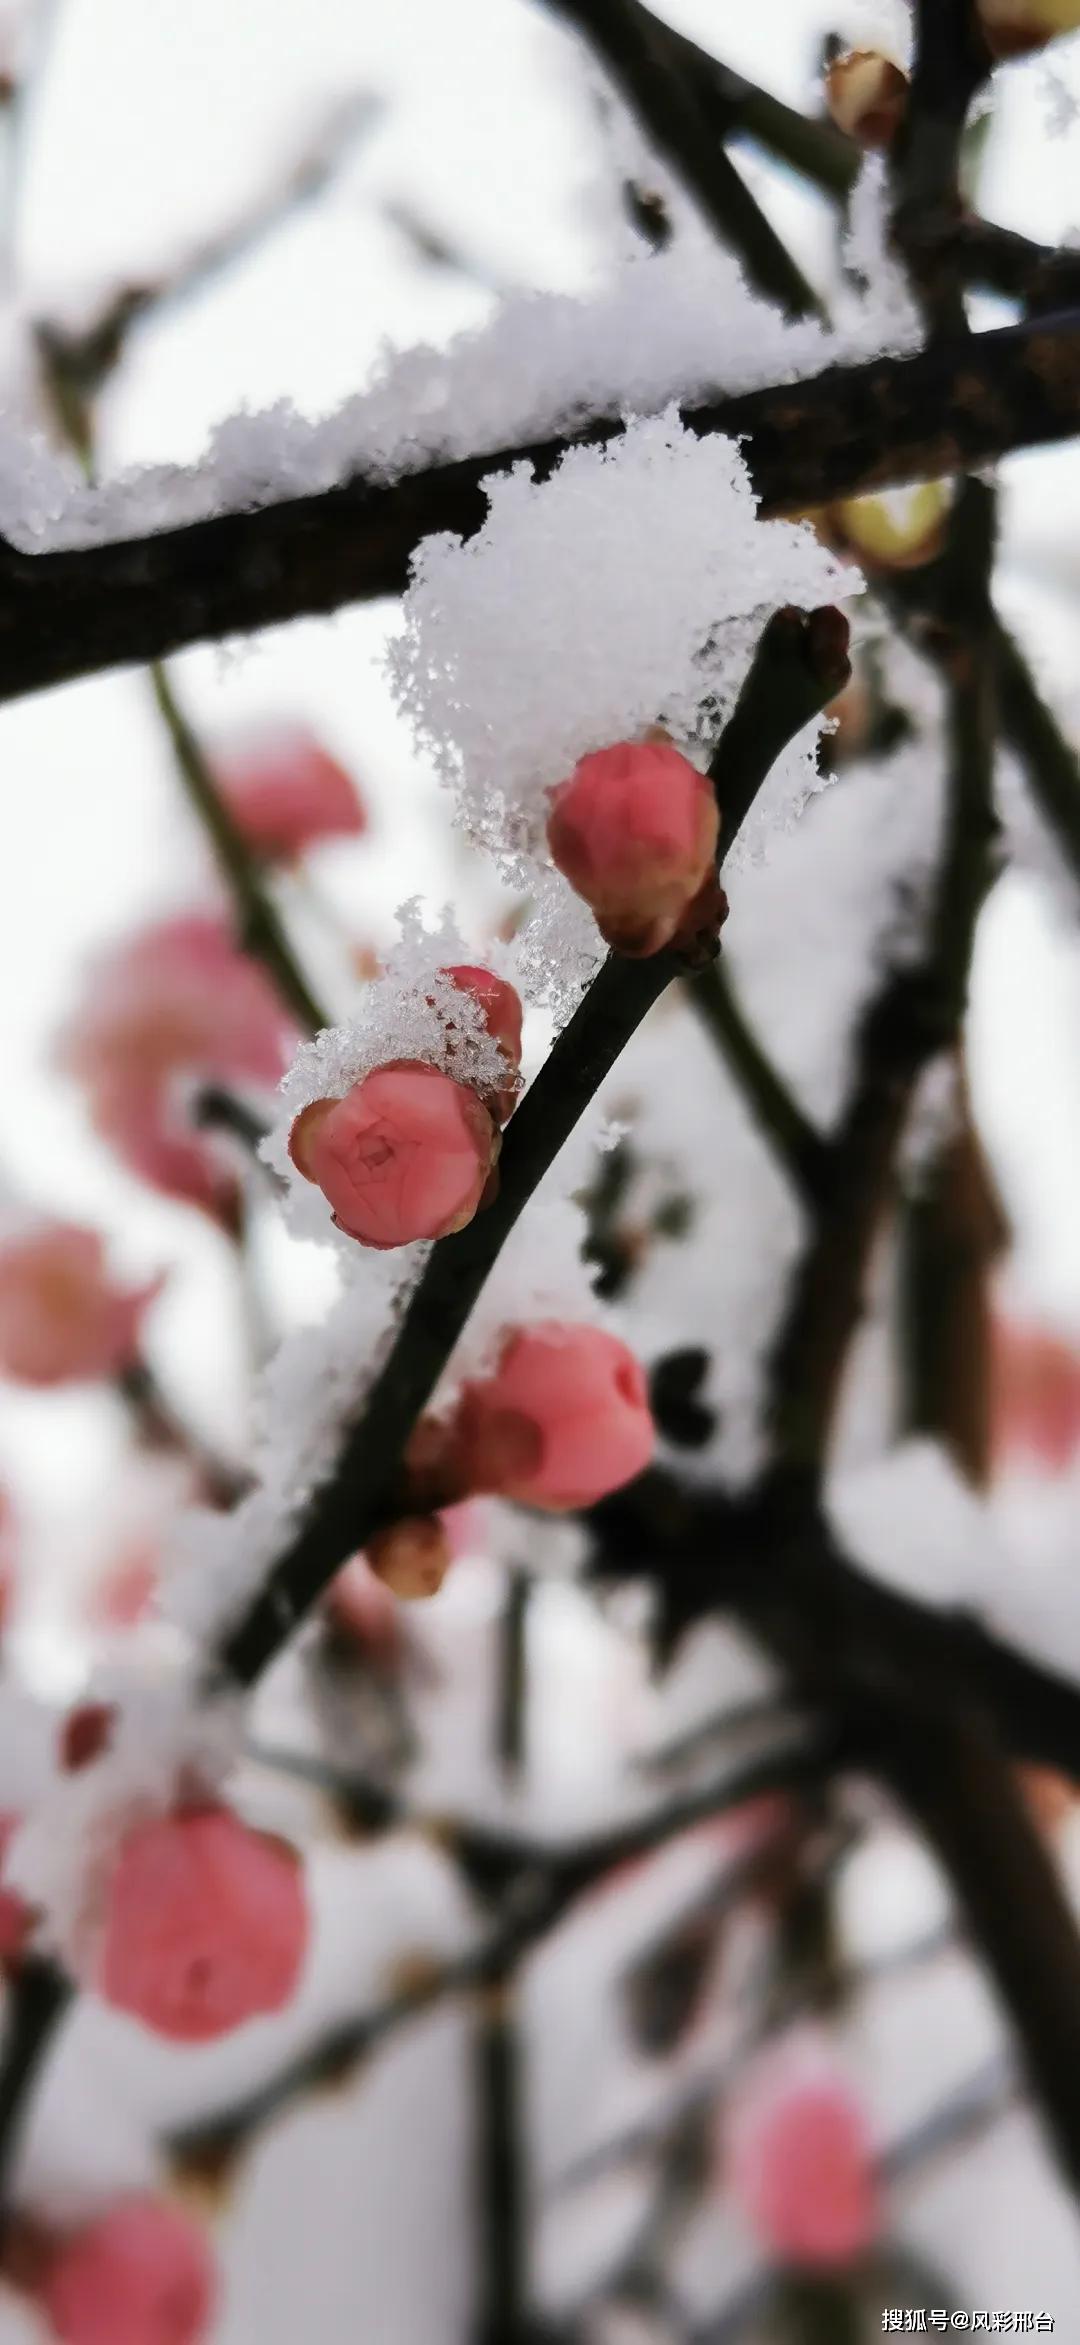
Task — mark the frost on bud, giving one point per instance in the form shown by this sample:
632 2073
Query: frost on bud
898 531
205 1924
634 830
411 1557
500 1007
1012 28
563 1420
798 2157
866 95
406 1154
142 2274
16 1917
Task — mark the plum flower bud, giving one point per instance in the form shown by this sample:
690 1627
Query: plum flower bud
1035 1395
411 1557
798 2158
900 531
205 1924
285 792
141 2274
1012 28
866 94
406 1154
563 1420
634 830
62 1319
16 1917
500 1007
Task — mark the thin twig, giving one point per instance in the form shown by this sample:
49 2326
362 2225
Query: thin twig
795 1142
260 930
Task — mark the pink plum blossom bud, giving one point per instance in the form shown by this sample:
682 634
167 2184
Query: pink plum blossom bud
500 1006
125 1594
411 1557
141 2274
866 94
285 792
1012 28
16 1917
634 831
406 1154
176 1006
61 1317
563 1420
205 1924
798 2158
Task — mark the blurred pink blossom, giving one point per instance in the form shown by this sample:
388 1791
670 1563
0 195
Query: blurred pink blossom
406 1154
16 1918
798 2157
563 1419
62 1318
176 1004
285 791
205 1924
142 2274
1036 1394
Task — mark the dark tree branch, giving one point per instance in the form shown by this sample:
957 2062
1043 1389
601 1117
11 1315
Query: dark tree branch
794 1140
37 2000
951 64
794 671
848 430
652 77
260 930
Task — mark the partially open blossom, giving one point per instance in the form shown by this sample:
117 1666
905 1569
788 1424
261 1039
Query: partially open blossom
500 1006
285 791
16 1917
1014 27
866 95
798 2158
897 531
205 1924
563 1419
62 1318
634 830
406 1154
142 2274
177 1005
1035 1388
411 1557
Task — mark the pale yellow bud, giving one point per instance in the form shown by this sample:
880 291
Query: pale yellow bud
866 95
898 530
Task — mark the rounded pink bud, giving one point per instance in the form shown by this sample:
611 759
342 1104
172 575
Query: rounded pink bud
205 1924
500 1006
798 2157
406 1154
564 1419
140 2275
634 831
16 1917
62 1319
285 792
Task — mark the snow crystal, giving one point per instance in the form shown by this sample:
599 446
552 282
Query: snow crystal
628 589
678 325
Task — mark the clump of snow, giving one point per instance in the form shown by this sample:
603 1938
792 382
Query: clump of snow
911 1520
678 325
165 1734
870 255
628 589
